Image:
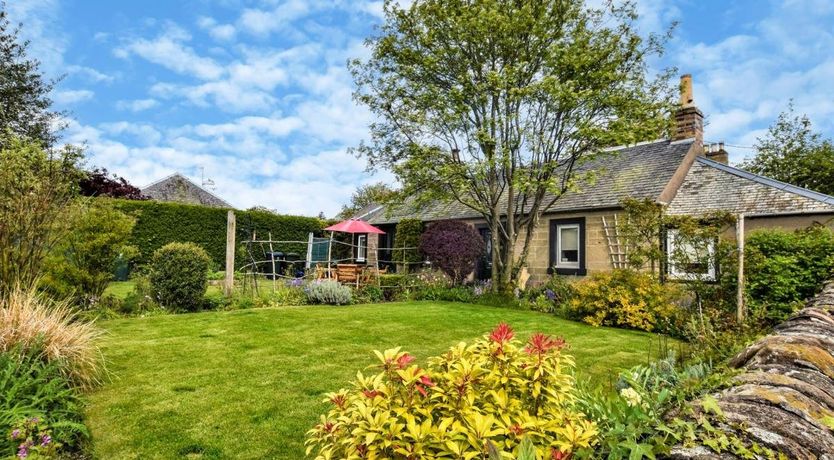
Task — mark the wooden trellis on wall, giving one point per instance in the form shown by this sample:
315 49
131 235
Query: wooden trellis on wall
617 245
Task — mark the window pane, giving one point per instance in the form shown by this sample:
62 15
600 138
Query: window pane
569 244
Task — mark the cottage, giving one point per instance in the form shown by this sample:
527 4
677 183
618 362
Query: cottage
179 189
574 237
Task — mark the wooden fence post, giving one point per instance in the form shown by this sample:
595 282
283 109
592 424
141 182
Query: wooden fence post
229 282
742 310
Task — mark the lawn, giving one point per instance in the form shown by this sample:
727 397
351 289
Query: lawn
249 384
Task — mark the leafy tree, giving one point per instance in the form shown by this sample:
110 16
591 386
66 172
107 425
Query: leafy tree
365 195
84 260
493 103
406 243
24 94
99 183
792 152
452 246
36 191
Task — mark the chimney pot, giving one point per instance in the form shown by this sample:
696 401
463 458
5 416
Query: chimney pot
689 120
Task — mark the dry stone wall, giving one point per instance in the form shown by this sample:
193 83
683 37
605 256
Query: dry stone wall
784 399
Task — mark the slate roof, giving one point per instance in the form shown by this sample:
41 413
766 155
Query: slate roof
179 189
638 171
713 186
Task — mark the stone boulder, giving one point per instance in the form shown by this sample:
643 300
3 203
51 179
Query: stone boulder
784 399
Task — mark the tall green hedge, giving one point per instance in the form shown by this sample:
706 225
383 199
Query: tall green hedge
158 224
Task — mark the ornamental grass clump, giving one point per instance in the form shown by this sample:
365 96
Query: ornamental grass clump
474 399
36 325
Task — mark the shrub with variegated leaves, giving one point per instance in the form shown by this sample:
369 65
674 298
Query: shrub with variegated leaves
473 400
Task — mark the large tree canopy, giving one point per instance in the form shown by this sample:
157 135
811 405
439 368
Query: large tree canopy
366 195
494 102
24 94
792 152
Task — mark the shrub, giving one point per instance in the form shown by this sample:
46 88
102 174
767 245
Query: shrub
40 411
785 268
552 296
328 292
406 243
84 261
452 246
625 298
36 189
494 391
159 223
179 275
37 325
369 294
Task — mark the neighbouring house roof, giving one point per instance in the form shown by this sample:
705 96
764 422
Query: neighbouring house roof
179 189
639 171
713 186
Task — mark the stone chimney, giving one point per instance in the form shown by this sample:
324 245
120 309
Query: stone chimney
689 120
716 152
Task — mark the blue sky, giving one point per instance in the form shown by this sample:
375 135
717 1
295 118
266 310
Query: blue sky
256 93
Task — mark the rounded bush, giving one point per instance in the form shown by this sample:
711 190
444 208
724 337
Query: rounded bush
328 292
452 246
179 275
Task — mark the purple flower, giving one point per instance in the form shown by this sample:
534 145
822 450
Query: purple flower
45 439
550 294
23 449
15 434
36 420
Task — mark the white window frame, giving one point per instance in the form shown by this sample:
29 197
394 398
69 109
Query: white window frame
361 248
568 265
680 274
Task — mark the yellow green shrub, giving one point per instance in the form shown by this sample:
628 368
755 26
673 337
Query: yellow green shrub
473 399
626 298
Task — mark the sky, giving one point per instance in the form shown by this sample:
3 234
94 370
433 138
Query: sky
255 95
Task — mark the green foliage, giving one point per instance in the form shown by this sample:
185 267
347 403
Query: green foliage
626 298
783 269
641 227
444 79
552 296
36 190
328 292
84 261
365 195
179 276
407 242
369 294
24 94
158 224
33 388
792 152
634 422
493 391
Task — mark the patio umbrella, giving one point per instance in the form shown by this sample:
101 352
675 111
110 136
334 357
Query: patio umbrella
348 226
353 226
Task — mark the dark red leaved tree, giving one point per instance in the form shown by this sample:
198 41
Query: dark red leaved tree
99 183
452 246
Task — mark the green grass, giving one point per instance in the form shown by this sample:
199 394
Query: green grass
121 289
249 384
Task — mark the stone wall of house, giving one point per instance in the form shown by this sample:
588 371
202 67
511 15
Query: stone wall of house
784 399
597 256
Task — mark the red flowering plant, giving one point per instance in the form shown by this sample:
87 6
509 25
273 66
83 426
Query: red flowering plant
491 394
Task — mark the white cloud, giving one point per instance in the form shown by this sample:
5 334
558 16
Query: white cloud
220 32
137 105
90 74
69 97
263 22
169 51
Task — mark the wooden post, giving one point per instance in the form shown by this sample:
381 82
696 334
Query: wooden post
229 283
742 311
329 255
272 258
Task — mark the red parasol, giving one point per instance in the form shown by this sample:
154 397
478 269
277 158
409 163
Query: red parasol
354 226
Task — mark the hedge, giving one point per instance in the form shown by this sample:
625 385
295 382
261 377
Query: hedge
159 223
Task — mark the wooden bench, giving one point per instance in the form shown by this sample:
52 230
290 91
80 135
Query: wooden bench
348 273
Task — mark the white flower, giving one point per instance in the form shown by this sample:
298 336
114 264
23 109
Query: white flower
631 397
